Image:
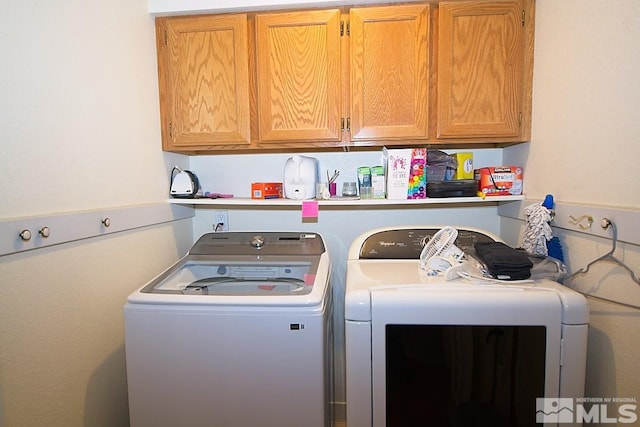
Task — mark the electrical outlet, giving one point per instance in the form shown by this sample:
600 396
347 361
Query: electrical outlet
222 221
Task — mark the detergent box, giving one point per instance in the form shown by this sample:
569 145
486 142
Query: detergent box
405 169
499 180
266 190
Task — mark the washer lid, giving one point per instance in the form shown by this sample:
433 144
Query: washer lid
288 269
248 278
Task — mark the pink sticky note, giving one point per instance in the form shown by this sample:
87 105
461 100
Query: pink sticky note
309 209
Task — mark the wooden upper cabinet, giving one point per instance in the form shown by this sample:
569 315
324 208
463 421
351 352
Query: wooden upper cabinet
204 81
389 72
298 77
482 70
447 71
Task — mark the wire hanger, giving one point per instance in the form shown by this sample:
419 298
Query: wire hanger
606 223
578 221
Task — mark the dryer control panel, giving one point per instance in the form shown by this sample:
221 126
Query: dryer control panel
408 243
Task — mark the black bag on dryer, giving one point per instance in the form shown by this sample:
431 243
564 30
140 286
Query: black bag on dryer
504 262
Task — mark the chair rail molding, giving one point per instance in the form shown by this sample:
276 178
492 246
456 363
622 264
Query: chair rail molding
29 233
584 218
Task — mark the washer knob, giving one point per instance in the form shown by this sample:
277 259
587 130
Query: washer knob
25 235
44 232
257 241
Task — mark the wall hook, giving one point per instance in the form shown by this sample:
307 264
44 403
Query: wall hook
580 221
44 232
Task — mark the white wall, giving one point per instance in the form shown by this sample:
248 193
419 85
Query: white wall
586 100
61 326
80 131
79 118
79 110
584 149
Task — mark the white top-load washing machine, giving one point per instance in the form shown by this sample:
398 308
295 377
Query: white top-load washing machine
236 333
421 350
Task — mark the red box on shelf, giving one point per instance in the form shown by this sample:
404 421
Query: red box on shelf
499 180
266 190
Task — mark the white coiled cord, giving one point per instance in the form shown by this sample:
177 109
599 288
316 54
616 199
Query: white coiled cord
538 231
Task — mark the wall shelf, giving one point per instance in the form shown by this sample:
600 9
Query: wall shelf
241 202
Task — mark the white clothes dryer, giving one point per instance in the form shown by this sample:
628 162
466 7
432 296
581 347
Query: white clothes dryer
421 350
235 334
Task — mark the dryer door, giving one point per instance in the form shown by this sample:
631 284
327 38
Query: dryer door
445 355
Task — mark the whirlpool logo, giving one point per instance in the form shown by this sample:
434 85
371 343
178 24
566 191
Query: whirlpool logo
614 410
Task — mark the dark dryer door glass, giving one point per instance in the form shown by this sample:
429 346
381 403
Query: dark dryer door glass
443 375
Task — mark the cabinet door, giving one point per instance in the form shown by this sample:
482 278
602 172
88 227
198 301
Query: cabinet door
298 68
204 81
480 69
389 72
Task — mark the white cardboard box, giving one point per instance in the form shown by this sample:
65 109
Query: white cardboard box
406 172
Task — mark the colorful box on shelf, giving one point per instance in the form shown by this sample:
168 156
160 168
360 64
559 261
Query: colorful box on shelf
266 190
406 173
499 180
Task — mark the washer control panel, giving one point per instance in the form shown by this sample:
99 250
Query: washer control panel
257 241
265 243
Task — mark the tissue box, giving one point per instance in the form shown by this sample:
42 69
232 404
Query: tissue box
499 180
465 166
406 173
266 190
